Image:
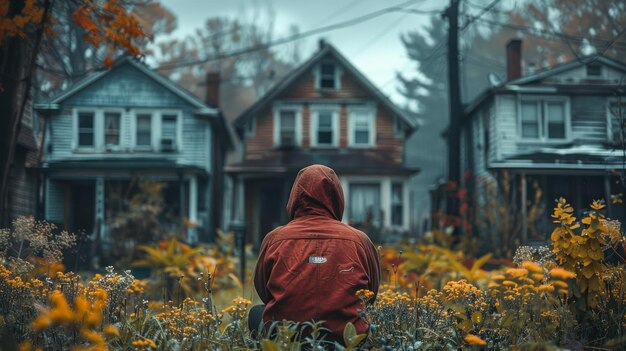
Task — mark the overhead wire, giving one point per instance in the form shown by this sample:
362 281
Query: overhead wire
289 38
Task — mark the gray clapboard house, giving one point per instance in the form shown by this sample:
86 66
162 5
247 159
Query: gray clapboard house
559 129
127 124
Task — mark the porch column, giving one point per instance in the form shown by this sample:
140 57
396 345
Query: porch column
523 200
192 232
238 210
99 210
385 202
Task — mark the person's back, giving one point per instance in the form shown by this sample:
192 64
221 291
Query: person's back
311 268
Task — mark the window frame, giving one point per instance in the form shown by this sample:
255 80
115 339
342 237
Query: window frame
118 146
371 111
318 76
179 118
380 222
542 102
401 203
609 118
135 114
598 76
76 129
314 127
298 124
156 124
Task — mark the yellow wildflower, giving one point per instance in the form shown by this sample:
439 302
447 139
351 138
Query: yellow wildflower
474 340
561 273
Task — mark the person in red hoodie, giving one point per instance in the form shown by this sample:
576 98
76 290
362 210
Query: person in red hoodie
311 268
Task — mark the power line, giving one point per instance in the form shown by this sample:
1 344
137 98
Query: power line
548 34
482 12
290 38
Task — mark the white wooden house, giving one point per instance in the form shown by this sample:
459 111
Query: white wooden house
559 127
130 123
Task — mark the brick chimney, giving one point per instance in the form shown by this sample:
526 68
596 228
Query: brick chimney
212 84
513 59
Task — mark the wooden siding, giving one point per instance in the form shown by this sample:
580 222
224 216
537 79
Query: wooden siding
304 94
387 142
21 188
579 74
589 117
304 88
127 88
505 131
588 125
54 201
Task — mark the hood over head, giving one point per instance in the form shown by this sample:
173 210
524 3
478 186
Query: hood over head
316 191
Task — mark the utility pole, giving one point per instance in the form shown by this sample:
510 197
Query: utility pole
456 112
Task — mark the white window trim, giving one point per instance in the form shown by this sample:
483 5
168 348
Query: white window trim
298 110
602 71
156 129
385 197
179 128
372 122
133 130
120 143
315 110
98 129
75 145
609 116
250 127
317 72
542 101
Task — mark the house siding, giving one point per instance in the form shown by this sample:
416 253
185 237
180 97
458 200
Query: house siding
54 201
126 89
589 119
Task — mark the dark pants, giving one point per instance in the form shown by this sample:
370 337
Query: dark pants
255 319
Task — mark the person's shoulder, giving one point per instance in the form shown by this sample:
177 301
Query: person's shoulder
357 234
270 237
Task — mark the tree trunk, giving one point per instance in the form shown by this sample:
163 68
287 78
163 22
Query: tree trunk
17 63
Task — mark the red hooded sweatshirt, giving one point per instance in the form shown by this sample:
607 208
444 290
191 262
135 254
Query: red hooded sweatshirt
311 268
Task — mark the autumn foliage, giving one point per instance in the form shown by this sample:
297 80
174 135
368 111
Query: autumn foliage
106 23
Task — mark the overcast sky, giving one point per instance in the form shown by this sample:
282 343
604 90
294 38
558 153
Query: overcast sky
373 46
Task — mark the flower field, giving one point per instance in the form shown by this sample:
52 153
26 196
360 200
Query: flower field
569 295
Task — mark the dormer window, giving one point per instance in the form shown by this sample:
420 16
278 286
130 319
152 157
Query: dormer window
327 76
594 70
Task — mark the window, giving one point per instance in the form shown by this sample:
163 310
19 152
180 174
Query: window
365 203
144 130
617 122
169 132
250 127
287 128
543 119
396 204
112 128
325 128
556 120
327 76
594 70
86 123
361 131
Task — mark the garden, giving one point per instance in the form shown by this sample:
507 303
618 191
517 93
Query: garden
569 295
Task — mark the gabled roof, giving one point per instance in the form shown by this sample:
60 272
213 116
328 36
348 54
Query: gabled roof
292 77
582 61
514 85
203 108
